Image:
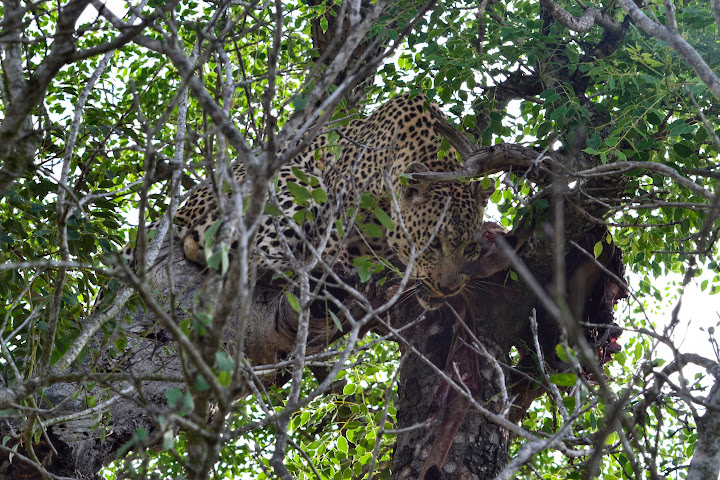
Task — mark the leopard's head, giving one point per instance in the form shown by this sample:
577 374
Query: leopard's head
443 221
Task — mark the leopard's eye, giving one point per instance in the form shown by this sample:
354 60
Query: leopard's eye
435 244
470 248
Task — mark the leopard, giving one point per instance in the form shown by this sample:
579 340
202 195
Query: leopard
374 206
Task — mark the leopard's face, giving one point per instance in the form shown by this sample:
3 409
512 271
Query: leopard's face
438 269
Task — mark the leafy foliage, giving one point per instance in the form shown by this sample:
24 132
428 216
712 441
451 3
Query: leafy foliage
648 99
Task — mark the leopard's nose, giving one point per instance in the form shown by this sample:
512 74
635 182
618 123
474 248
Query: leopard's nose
450 290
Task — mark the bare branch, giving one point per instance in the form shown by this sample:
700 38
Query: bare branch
584 23
623 167
487 160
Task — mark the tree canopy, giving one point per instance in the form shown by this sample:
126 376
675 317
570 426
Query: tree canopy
597 123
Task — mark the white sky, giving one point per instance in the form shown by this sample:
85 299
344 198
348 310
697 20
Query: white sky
699 310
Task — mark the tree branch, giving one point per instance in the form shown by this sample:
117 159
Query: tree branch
623 167
675 40
487 160
584 23
18 158
705 461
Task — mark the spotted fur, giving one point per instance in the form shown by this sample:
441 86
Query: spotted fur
400 136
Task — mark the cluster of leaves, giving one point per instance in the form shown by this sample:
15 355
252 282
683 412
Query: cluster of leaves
672 449
646 90
339 432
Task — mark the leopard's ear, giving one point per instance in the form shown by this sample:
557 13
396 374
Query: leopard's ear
412 188
481 195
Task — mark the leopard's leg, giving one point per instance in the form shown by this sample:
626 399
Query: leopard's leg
193 250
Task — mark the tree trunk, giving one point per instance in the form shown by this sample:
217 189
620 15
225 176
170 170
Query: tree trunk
469 341
706 457
449 441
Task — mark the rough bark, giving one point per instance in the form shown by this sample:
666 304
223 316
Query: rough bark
480 447
706 457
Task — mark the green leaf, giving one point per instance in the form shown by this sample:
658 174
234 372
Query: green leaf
349 389
121 343
188 401
70 300
653 118
210 235
683 150
339 228
293 301
300 216
225 260
201 385
224 379
342 444
550 95
213 261
319 195
371 230
173 396
544 129
597 249
300 102
300 175
561 353
612 438
336 320
324 24
367 201
384 219
612 141
272 210
141 433
224 362
300 194
219 260
204 318
364 273
679 127
563 379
